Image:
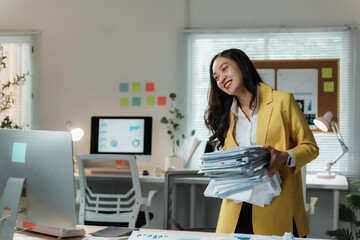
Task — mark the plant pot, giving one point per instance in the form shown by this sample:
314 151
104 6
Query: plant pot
173 163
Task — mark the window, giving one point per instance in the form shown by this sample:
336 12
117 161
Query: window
17 50
197 48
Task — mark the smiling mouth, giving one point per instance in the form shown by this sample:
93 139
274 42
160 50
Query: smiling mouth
227 84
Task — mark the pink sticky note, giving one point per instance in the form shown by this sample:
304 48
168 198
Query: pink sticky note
150 86
161 100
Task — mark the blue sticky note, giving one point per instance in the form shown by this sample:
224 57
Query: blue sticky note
136 101
124 87
19 152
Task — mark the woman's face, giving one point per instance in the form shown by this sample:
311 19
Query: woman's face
228 76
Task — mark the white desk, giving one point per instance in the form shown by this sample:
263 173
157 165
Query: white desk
20 235
336 184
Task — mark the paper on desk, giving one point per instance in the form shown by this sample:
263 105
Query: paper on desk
105 238
237 236
146 235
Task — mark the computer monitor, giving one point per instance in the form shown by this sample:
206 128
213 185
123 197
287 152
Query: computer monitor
122 135
44 160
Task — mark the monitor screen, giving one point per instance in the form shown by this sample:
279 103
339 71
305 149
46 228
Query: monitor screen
44 160
121 135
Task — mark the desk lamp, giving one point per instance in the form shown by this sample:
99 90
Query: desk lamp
76 133
323 124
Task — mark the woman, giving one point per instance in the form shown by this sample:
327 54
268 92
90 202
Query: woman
244 111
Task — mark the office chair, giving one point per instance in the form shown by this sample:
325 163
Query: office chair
112 208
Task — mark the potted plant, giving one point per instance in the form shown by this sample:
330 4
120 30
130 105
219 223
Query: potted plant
6 96
347 214
173 126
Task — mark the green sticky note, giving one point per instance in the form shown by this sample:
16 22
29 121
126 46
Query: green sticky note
136 86
329 87
326 72
124 101
150 100
19 152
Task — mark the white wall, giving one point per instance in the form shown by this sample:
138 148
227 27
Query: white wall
87 47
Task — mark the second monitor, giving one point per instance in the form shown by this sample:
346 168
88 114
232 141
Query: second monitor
122 135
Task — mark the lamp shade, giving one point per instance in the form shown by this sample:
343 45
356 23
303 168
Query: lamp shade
323 122
76 133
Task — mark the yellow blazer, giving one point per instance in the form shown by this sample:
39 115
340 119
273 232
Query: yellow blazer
282 125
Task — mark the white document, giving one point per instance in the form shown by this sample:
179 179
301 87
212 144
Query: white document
146 235
303 83
268 76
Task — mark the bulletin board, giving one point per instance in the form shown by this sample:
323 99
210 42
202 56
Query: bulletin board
314 83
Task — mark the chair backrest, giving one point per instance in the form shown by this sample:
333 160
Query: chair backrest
169 216
104 207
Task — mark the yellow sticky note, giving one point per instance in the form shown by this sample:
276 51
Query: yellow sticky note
124 101
326 72
150 100
329 87
136 86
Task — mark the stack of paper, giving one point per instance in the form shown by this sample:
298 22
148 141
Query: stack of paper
240 174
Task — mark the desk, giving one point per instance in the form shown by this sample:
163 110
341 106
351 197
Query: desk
339 183
336 184
19 235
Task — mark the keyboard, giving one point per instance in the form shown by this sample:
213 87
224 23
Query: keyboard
53 231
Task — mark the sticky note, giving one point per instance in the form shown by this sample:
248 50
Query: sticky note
329 87
136 101
161 100
124 87
19 152
326 72
149 87
124 101
150 100
136 86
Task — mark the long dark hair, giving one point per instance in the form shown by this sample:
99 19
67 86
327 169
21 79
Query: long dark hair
217 112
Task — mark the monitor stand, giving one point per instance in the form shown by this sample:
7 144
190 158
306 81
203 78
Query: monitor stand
10 201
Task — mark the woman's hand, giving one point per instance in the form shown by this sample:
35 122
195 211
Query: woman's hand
277 158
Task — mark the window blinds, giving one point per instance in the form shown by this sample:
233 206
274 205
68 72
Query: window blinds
197 48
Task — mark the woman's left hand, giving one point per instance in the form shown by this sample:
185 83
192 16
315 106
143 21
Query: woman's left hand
277 158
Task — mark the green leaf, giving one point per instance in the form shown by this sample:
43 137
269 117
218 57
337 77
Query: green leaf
164 120
357 223
169 132
354 200
178 142
356 182
172 136
192 133
341 234
183 136
346 214
172 96
178 115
